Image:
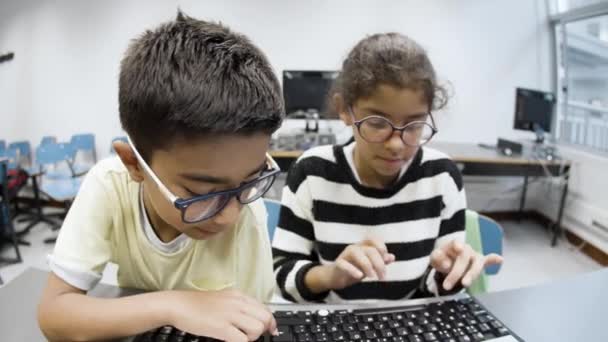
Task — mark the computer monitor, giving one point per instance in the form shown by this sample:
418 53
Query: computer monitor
534 111
307 90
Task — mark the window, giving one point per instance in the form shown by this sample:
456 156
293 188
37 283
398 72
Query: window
582 74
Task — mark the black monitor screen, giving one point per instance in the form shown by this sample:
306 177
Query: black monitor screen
533 107
307 90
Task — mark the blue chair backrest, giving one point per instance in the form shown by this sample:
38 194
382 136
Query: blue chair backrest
491 240
50 153
48 140
117 139
274 209
25 151
84 142
12 154
2 145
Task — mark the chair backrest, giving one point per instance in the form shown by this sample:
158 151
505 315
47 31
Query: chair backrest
12 156
49 139
485 236
491 240
25 152
273 208
83 142
50 153
2 145
122 138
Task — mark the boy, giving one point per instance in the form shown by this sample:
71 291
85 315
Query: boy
178 212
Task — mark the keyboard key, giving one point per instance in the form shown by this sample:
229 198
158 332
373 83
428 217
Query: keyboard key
354 335
464 339
161 338
429 337
503 331
317 328
386 333
483 327
363 326
430 328
384 318
443 334
321 337
416 330
415 338
401 331
348 327
338 336
331 328
496 324
298 329
284 334
166 330
305 337
379 325
394 324
477 336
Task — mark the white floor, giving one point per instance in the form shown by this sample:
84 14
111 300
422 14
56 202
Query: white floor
529 259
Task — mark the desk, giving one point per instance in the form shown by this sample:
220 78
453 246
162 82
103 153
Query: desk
477 161
573 309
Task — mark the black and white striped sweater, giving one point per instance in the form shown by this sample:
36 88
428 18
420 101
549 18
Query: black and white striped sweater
325 208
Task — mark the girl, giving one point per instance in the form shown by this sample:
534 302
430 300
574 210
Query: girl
381 217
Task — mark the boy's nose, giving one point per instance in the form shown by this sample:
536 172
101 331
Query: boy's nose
230 213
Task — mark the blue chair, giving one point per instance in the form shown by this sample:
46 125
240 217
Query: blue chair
60 189
83 145
25 153
274 209
7 228
492 236
12 157
121 138
2 145
61 167
48 139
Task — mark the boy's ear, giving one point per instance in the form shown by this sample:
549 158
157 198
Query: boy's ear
126 154
342 109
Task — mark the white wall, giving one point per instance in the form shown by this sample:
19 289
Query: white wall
63 79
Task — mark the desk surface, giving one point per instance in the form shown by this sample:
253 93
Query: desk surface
462 152
573 309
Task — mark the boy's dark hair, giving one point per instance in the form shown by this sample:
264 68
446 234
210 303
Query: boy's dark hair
391 59
189 77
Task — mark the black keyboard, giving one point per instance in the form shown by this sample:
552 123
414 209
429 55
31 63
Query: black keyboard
459 320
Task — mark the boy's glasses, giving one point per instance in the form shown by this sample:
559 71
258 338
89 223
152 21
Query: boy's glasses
377 129
203 207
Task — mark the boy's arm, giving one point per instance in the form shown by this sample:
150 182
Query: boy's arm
67 313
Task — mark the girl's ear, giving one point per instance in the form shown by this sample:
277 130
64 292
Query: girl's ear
342 109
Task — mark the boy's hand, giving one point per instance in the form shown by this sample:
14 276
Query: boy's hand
227 315
365 259
461 263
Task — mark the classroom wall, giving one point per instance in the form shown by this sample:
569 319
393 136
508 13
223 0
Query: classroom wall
64 77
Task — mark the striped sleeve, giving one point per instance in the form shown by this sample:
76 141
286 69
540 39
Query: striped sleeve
452 226
293 242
